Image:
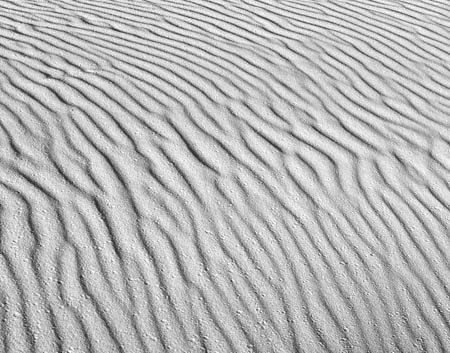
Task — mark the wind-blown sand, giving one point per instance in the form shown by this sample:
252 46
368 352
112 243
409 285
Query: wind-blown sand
224 176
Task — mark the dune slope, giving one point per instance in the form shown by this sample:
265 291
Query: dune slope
224 176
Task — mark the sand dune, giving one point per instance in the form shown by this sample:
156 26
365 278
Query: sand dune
224 176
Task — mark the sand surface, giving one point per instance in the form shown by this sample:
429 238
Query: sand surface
224 176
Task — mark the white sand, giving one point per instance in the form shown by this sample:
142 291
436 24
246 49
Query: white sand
224 176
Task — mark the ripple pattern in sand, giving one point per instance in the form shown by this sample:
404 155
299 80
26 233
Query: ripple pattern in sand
224 176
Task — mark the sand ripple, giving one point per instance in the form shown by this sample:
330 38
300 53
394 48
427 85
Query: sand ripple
224 176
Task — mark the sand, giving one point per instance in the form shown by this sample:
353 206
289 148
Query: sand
224 176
